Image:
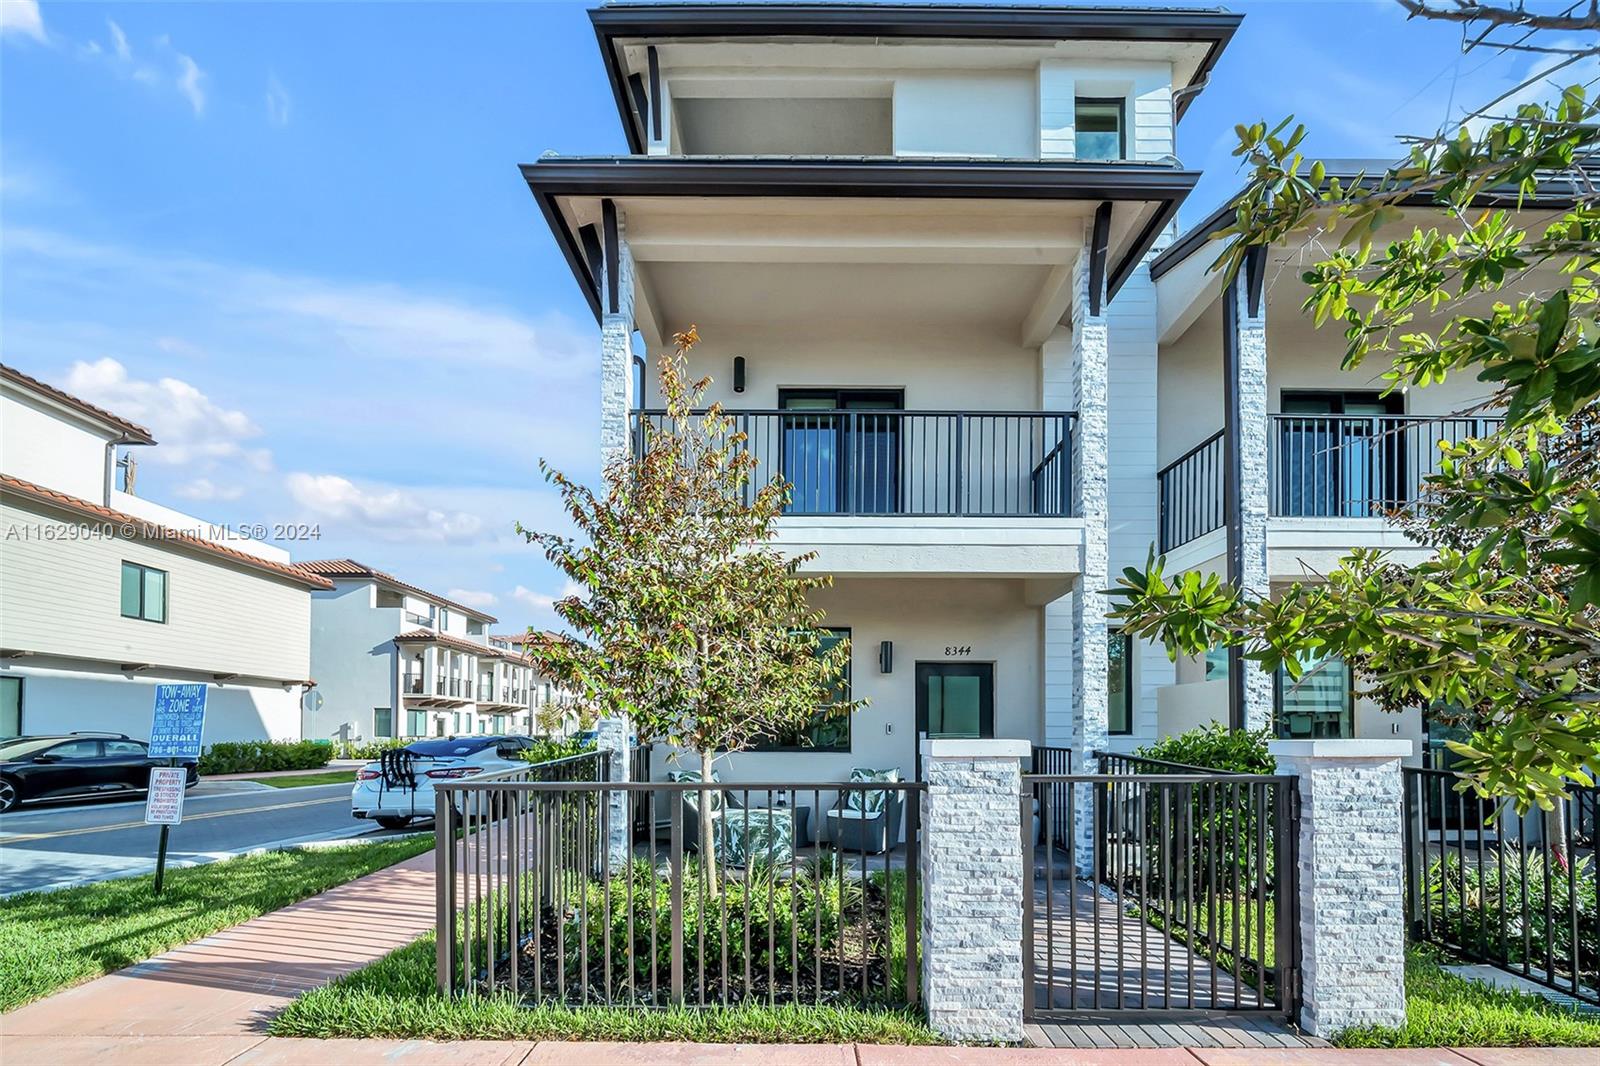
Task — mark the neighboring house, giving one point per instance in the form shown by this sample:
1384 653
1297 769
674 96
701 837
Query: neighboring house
932 256
548 695
104 594
399 661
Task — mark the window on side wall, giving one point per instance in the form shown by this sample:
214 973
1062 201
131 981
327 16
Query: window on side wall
1320 705
1099 130
1216 664
144 593
382 722
416 723
830 726
1119 683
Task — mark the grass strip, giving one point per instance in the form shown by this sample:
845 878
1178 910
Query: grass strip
52 940
332 777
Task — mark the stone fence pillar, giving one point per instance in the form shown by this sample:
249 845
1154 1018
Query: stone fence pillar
611 736
1352 880
971 871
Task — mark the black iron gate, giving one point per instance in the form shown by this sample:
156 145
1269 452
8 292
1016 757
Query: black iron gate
1159 892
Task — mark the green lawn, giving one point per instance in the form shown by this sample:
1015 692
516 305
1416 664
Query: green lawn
397 997
330 777
1443 1010
51 940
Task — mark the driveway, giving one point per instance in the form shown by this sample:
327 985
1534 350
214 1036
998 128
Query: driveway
54 846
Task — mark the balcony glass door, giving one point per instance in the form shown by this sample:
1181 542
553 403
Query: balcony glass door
1336 454
841 450
954 700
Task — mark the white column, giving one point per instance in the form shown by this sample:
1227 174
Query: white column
1351 880
611 736
616 354
1253 430
971 871
1091 352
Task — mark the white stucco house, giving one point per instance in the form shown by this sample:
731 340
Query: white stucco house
399 661
104 594
932 254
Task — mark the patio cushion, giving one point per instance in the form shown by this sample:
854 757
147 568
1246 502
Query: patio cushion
692 798
869 801
853 814
756 835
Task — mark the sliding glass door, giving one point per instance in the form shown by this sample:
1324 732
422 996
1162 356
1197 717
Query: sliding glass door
1336 455
841 450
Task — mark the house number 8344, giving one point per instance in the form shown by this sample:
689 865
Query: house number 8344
951 650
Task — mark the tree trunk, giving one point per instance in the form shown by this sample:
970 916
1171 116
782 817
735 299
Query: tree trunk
1555 834
708 815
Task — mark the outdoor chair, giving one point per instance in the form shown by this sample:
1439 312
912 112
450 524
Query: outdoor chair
716 802
864 819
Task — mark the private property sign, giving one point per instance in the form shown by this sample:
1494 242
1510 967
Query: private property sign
179 721
164 804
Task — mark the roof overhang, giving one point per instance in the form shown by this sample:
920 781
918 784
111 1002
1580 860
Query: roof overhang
1143 197
615 25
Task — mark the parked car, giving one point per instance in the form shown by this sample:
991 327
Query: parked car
74 764
397 788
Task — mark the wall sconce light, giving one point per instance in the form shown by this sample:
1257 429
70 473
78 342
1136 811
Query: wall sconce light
738 373
886 657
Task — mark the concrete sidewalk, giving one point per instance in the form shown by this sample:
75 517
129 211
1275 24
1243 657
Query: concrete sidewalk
208 1004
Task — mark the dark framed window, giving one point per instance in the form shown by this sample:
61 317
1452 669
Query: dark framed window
1216 664
382 722
1100 128
830 726
144 593
10 707
840 449
1320 706
1119 683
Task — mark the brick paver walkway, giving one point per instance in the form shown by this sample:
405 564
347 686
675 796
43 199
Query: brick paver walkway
207 1004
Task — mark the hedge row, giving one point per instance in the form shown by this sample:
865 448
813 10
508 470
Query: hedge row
263 756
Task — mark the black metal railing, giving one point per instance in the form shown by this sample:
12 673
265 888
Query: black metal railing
1053 760
940 463
1116 762
1358 466
1191 493
1518 893
1195 904
539 898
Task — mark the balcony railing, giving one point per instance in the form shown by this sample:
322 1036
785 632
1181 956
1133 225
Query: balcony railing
933 463
1319 466
414 685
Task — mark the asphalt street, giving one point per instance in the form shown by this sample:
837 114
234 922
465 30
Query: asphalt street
53 846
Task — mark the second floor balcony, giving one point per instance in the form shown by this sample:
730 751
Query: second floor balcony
880 463
1328 467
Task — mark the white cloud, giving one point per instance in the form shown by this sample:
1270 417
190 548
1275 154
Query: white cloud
202 488
165 68
279 104
190 426
543 601
473 598
387 512
21 18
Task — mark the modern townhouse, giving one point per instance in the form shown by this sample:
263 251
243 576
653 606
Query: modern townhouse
932 254
104 594
548 697
400 661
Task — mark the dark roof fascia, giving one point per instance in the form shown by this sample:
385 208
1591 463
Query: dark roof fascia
1554 194
960 22
615 176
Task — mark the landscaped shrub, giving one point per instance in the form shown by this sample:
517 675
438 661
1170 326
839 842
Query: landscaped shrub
1215 747
1519 912
549 749
370 749
814 936
263 756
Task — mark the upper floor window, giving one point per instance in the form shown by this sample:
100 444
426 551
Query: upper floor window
1099 128
144 593
444 618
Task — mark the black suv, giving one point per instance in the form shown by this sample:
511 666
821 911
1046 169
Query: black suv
74 764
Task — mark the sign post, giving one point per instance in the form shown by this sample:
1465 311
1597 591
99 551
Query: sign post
175 730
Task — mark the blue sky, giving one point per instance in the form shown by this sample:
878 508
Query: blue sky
291 238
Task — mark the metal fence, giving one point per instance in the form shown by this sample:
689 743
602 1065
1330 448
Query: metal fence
812 897
1191 493
1516 892
1191 904
870 462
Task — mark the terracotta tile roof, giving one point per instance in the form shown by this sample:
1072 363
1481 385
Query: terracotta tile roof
132 432
449 640
127 525
351 568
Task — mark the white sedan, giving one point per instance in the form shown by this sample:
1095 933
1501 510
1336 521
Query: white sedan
398 788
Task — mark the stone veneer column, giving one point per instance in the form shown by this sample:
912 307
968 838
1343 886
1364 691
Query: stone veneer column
616 357
1091 354
1351 880
971 870
1253 429
611 736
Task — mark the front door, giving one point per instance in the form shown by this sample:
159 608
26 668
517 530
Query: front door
954 700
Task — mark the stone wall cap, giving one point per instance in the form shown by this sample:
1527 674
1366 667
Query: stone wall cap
1339 749
976 749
